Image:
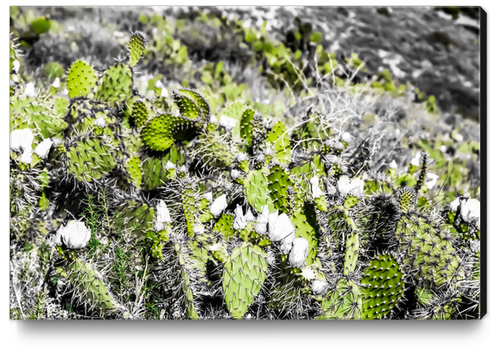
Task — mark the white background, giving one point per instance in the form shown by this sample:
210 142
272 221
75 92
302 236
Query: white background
218 333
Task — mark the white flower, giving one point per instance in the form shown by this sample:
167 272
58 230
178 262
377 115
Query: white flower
287 243
213 119
159 84
453 206
20 140
218 205
416 160
56 82
214 247
241 157
26 157
16 66
279 226
315 188
164 93
100 122
208 196
393 165
431 180
298 253
470 212
163 216
42 149
227 122
74 235
235 174
353 187
457 137
261 224
346 137
29 91
308 273
249 217
169 165
239 222
318 286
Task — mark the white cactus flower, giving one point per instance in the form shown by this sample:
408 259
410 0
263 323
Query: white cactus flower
21 139
208 196
308 273
241 157
298 253
353 187
287 244
235 174
431 180
169 165
218 205
261 224
280 226
100 122
56 82
213 119
159 84
164 93
346 137
42 149
470 212
163 216
318 286
239 222
74 235
249 217
29 91
393 165
416 160
453 206
227 122
315 188
26 157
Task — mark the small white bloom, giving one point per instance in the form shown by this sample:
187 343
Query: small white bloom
26 157
397 132
416 160
199 227
308 273
393 165
16 66
431 180
315 188
280 227
261 224
29 91
298 253
235 174
56 82
163 214
75 234
213 119
100 122
227 122
214 247
458 137
42 149
453 206
241 157
475 246
208 196
287 244
169 165
118 34
164 93
218 205
346 137
158 84
343 185
239 222
353 187
470 212
21 139
318 286
249 217
443 149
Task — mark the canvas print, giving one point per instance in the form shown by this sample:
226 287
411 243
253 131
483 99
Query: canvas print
259 163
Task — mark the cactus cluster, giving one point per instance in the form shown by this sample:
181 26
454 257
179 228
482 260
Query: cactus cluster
240 215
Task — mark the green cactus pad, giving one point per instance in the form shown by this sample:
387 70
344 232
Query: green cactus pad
139 113
158 132
225 226
279 139
201 103
135 217
243 276
305 230
256 191
407 197
351 252
81 79
235 111
91 158
428 253
60 107
190 307
116 85
133 168
345 302
279 186
187 107
136 47
189 206
382 287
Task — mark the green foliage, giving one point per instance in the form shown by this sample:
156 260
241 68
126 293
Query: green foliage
81 79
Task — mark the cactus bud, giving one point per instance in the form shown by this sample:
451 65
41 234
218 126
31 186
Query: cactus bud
318 286
261 224
298 253
279 226
42 149
218 205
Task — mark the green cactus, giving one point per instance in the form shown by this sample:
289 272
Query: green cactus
225 226
243 276
407 197
382 287
116 85
279 140
256 191
81 79
189 206
344 302
135 217
136 47
281 189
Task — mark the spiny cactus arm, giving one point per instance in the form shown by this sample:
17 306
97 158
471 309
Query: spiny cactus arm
244 274
81 79
278 137
344 302
116 85
198 99
136 47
